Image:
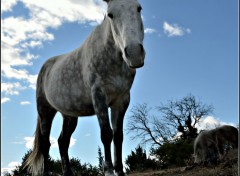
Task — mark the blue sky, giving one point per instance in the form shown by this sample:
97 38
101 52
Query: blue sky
191 47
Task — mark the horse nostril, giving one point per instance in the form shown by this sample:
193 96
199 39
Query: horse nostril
133 50
141 47
126 53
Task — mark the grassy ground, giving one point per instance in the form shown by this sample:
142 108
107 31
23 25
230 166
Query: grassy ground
227 167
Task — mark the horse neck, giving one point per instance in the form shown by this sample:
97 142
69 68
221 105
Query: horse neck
107 48
108 41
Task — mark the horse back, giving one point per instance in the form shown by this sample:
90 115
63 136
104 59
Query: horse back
229 134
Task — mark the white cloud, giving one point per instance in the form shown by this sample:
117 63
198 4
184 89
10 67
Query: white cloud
14 164
7 5
18 142
149 30
188 30
25 103
17 38
177 136
15 41
87 135
206 123
72 142
10 168
211 122
32 44
5 100
174 30
54 143
66 10
29 142
11 88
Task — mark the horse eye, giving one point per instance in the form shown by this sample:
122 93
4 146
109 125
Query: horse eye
110 15
139 9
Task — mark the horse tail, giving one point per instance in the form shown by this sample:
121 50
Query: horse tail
35 161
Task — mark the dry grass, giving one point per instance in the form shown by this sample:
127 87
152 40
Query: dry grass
228 167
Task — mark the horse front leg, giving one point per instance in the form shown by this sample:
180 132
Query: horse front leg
101 109
117 115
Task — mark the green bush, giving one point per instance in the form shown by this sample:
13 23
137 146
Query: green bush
55 167
175 153
138 161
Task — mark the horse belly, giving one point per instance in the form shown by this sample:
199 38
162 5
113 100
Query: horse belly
70 99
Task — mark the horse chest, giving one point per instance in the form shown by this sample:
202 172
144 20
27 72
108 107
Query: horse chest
116 86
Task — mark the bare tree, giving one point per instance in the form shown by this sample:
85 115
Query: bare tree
176 116
147 128
185 114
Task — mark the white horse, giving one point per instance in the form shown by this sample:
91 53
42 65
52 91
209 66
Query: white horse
88 81
209 144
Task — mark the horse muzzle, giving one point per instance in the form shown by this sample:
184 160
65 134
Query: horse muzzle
135 55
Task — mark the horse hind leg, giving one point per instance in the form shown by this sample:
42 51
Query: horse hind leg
46 115
37 162
69 125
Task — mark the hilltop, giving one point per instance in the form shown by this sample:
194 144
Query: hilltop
227 167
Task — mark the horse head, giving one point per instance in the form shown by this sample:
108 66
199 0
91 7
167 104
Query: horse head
127 30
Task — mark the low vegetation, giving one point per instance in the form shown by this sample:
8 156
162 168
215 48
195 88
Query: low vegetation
171 135
228 166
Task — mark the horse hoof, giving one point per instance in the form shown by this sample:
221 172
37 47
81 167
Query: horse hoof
120 174
68 173
109 173
108 169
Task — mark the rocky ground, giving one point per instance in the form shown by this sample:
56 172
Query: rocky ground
227 167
